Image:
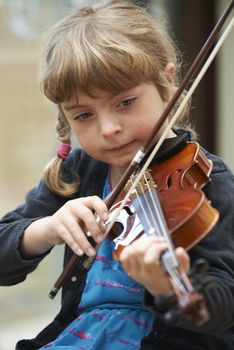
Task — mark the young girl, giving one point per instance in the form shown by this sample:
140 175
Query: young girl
112 70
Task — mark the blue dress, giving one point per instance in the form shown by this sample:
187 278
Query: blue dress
110 315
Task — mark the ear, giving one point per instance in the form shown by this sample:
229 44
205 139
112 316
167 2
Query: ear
170 71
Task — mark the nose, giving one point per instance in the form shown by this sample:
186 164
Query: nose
110 126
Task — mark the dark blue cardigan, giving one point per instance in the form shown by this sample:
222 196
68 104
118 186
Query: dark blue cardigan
217 247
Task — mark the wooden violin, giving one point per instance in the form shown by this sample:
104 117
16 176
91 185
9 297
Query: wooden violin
178 182
169 203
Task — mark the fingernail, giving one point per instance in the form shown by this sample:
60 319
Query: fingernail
91 252
79 252
105 216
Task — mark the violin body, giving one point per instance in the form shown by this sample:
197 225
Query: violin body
178 182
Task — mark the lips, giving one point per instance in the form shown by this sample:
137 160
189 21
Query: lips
123 147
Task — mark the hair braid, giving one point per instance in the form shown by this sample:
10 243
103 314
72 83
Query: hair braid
52 174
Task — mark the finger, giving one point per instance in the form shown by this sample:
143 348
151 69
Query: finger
151 273
132 257
141 246
78 236
152 257
183 258
129 260
67 238
93 223
131 266
142 259
143 243
98 205
86 222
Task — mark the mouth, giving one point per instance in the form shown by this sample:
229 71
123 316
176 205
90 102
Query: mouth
123 147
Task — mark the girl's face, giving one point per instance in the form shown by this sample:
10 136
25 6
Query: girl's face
112 128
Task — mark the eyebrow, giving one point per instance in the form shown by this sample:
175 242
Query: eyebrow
77 105
69 108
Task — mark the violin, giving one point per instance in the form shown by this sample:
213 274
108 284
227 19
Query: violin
173 188
169 203
177 181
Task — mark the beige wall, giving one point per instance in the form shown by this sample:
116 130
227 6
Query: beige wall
27 142
226 95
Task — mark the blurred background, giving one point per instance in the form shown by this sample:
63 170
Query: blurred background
28 137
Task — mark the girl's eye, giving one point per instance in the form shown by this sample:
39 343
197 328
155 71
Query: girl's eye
128 102
84 116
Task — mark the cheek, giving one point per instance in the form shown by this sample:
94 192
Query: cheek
143 125
84 142
82 136
88 142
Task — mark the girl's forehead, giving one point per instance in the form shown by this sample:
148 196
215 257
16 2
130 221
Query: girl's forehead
81 98
80 95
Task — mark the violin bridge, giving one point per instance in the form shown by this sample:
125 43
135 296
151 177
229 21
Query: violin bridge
145 183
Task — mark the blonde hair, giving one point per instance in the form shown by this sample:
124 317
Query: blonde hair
110 46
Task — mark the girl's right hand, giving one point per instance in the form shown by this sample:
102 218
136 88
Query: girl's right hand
68 223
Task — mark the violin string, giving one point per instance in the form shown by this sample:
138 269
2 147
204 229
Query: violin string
161 230
152 223
162 223
147 219
146 208
177 282
182 284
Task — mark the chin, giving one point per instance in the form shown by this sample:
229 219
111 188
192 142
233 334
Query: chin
121 164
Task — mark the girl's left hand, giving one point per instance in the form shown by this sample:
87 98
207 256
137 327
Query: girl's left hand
141 261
